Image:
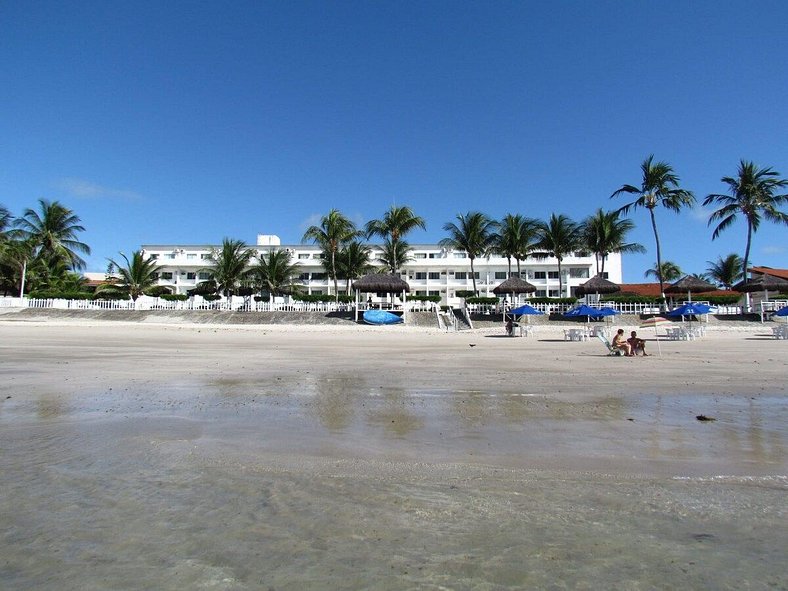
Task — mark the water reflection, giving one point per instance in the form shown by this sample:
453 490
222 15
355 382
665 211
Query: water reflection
336 399
394 413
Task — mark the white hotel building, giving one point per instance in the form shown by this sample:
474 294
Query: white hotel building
433 270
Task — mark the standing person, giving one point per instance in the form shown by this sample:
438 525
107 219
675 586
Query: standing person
620 343
637 344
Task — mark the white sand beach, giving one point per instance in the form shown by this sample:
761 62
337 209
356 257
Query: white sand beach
345 457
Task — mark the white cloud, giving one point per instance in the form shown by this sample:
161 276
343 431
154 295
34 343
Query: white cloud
701 215
774 249
83 189
312 220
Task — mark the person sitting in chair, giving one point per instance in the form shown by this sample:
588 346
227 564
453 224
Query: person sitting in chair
621 344
509 327
637 344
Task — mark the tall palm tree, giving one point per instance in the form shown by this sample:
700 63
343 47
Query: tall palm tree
275 273
334 231
397 222
515 238
474 233
230 265
53 232
559 237
659 185
668 270
752 194
726 271
605 233
353 262
5 223
394 255
134 277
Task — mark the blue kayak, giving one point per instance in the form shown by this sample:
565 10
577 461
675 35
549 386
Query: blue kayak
381 317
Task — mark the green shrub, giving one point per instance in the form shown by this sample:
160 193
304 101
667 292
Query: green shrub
174 297
552 300
465 293
482 300
424 298
53 294
158 291
211 297
262 298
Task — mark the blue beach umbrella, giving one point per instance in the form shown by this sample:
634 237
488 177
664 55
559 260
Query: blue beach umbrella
689 309
586 310
782 311
525 309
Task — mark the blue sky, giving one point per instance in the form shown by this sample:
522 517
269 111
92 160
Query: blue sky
185 122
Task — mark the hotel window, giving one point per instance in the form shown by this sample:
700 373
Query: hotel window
461 275
460 255
302 256
318 255
205 257
303 277
154 257
434 275
540 293
434 293
191 257
421 255
421 276
421 293
167 276
191 276
169 256
435 255
204 276
540 275
500 274
317 292
552 274
553 293
578 272
319 276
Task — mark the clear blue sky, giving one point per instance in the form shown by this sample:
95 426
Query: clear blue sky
185 122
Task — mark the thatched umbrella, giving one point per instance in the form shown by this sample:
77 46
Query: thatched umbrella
597 285
691 285
381 283
513 285
763 282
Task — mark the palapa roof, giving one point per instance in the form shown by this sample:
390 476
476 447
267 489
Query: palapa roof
381 283
597 284
514 285
691 284
762 283
782 273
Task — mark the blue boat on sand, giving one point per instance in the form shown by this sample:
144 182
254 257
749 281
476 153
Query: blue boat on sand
381 317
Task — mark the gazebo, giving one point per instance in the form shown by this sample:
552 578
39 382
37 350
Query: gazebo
597 285
765 283
380 283
513 285
690 284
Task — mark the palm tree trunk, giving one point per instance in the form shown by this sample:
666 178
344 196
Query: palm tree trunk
602 272
518 267
560 281
473 276
509 262
659 255
334 273
745 262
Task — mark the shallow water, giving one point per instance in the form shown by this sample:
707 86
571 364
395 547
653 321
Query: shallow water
338 484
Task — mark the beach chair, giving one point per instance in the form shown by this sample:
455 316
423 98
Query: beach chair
611 350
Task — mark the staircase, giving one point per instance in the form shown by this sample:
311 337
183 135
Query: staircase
461 319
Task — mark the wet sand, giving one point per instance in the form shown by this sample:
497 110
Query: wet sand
172 457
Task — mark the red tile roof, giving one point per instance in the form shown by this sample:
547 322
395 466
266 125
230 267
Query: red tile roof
652 290
781 273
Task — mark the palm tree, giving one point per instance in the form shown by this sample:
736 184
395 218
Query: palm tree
230 265
515 238
353 262
726 271
668 270
394 254
334 231
659 186
559 237
396 223
752 194
605 233
275 273
473 233
137 275
5 222
53 232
